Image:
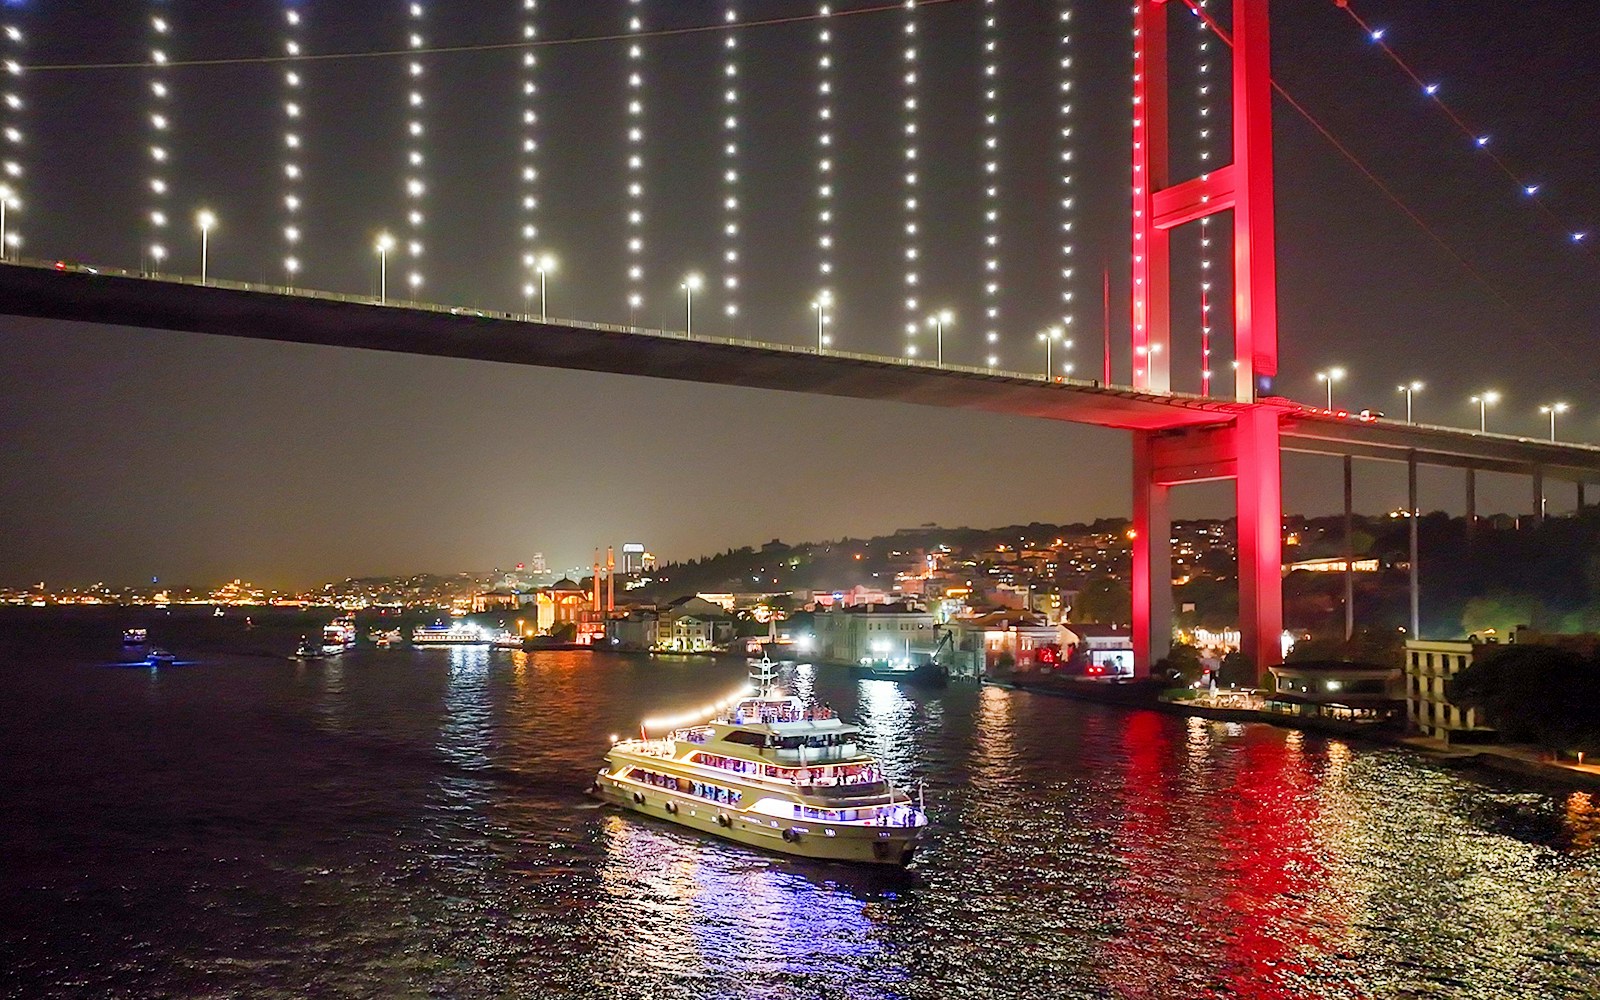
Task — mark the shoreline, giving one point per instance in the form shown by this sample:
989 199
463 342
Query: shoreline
1501 759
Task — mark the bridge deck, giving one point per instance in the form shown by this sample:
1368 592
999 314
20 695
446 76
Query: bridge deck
37 289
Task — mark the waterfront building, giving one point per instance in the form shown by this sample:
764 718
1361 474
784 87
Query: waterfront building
1107 647
853 633
1429 665
1005 641
1366 693
561 603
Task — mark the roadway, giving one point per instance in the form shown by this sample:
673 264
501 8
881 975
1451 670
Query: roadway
39 290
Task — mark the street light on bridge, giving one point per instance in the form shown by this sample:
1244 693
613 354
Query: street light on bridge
1553 409
206 219
1484 401
691 284
939 321
1329 377
8 199
1410 389
1050 337
383 246
545 265
821 304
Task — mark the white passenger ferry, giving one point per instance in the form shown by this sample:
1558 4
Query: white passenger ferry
339 634
454 634
768 772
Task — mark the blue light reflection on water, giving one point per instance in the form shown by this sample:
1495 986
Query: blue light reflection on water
397 823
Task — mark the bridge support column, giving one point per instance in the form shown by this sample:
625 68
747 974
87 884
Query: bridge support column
1472 503
1538 496
1416 568
1259 489
1349 550
1151 580
1580 498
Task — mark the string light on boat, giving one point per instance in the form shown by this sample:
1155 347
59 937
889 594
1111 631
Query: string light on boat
990 134
528 173
730 155
11 159
160 122
293 172
636 174
913 249
1203 112
825 182
699 714
416 187
1068 199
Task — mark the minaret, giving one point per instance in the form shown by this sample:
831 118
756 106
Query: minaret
597 580
611 580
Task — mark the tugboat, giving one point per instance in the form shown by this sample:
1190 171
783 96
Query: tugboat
768 772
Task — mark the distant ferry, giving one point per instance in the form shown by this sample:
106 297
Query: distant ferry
769 772
339 633
455 634
135 636
505 639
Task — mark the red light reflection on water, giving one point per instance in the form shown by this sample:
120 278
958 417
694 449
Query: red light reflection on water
1235 901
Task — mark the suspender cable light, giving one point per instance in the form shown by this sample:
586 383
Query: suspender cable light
1065 165
1203 110
293 172
730 176
528 171
416 186
824 304
11 159
991 180
912 207
156 250
635 135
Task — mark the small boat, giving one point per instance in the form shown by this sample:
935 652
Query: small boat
768 772
158 657
505 639
307 650
381 637
135 636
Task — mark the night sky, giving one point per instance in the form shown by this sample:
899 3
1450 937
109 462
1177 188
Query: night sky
131 454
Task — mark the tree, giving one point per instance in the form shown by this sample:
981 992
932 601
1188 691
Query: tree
1543 695
1237 670
564 632
1182 664
1104 600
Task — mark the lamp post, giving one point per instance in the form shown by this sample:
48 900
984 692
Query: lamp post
6 197
1049 337
691 284
1553 409
1329 377
938 321
384 245
821 304
206 220
1484 401
547 263
1410 389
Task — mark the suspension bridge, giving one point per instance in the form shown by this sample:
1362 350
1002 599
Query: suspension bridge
1236 434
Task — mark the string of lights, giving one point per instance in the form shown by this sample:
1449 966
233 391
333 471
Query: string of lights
528 172
416 186
730 175
1528 187
11 123
825 302
1204 148
1066 153
636 174
991 180
293 172
912 205
160 131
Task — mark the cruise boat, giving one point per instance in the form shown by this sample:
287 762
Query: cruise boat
339 633
768 772
135 636
455 634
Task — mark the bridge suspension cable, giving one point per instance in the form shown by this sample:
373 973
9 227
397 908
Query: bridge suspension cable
11 118
634 124
160 122
293 171
528 164
416 186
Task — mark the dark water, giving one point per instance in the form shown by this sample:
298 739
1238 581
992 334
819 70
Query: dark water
411 824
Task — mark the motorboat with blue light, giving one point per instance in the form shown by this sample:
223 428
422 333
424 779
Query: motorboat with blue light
454 634
135 636
158 657
767 771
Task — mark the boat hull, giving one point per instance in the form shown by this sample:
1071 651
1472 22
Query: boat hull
854 843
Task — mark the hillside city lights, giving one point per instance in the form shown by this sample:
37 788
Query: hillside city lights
416 187
636 173
730 175
293 172
528 155
160 122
